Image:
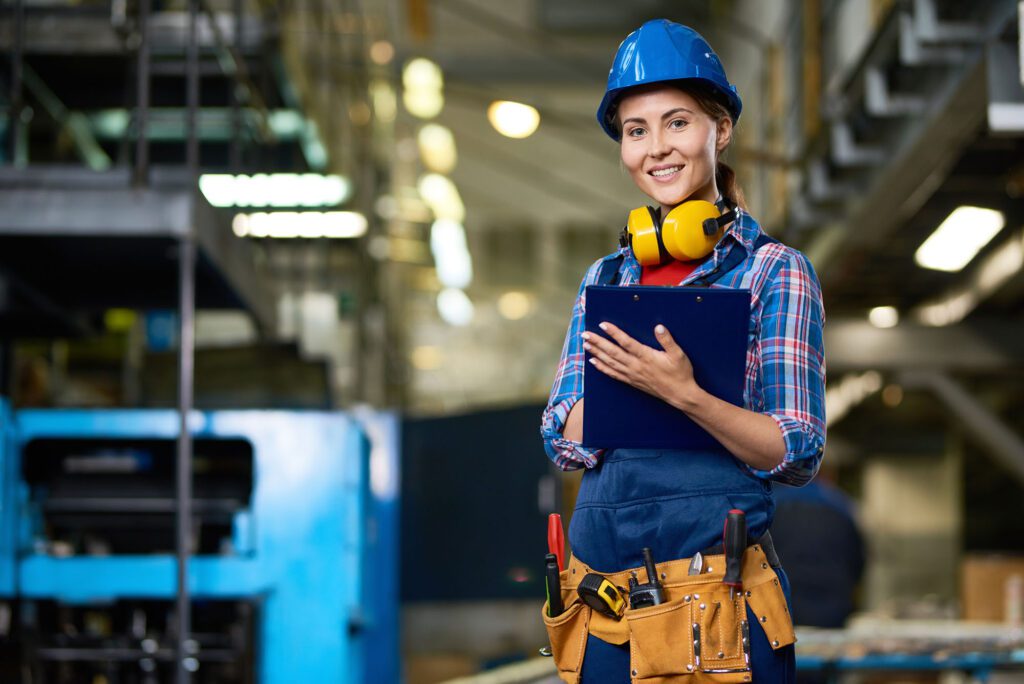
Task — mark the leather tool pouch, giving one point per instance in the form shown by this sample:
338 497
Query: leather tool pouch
568 632
697 635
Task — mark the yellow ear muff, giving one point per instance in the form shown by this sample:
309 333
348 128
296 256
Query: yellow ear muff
642 227
683 234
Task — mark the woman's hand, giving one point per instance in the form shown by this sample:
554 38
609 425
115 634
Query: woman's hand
666 373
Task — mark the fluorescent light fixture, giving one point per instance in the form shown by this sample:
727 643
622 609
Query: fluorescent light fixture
451 255
300 224
385 104
513 119
442 197
514 305
884 316
274 190
455 307
422 74
1003 263
959 238
423 88
426 104
437 148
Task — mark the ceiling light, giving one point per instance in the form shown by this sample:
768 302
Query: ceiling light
423 88
274 190
424 104
959 238
442 197
884 316
300 224
455 307
385 106
514 305
437 148
513 119
422 74
427 357
451 255
382 52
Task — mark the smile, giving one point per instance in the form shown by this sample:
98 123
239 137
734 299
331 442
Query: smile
668 171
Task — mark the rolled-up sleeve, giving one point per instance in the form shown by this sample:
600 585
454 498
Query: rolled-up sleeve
792 357
567 390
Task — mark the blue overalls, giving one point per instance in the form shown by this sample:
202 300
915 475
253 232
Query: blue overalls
673 502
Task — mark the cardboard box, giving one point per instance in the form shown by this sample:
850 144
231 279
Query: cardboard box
989 585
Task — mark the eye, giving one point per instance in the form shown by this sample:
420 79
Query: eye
677 124
636 132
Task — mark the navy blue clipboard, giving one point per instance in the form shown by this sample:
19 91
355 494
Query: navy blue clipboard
711 327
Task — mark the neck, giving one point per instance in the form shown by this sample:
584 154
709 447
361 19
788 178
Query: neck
708 193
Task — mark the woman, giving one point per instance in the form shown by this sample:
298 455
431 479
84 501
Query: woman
672 110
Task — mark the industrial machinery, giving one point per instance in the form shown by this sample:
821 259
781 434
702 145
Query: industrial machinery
286 528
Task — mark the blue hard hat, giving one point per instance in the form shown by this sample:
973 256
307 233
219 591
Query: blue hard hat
662 50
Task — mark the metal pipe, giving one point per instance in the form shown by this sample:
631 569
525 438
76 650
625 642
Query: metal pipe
141 173
235 152
186 359
17 54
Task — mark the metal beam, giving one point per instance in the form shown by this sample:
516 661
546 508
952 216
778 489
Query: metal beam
986 346
1005 445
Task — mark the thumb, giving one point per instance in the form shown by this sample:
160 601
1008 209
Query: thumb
665 339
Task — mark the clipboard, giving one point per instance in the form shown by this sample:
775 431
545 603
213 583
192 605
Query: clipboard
710 324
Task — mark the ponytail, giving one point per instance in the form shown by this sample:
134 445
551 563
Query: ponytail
725 179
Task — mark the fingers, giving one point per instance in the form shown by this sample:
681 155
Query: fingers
607 370
665 339
607 353
623 340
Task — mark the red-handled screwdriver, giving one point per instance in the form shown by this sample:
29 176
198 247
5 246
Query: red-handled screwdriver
734 542
556 540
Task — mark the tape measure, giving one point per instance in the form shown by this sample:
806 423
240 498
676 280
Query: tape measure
601 595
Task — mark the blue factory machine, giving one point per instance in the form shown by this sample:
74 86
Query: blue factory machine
293 573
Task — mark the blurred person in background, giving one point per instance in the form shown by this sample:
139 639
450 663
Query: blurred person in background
672 111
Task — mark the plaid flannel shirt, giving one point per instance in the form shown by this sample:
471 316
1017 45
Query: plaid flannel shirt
785 368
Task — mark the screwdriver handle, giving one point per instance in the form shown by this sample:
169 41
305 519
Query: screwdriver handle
556 539
734 541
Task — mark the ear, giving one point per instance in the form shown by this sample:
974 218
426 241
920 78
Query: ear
723 135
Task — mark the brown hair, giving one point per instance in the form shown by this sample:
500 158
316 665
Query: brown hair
711 102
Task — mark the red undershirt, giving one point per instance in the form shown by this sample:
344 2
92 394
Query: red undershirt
669 273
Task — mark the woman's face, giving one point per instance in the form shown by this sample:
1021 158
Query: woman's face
669 144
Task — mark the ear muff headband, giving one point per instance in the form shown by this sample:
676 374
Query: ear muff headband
688 232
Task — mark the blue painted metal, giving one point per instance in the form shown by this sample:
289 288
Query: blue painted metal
301 549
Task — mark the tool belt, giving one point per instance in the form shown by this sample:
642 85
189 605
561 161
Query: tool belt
698 634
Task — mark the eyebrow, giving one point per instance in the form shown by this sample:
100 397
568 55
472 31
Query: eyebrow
664 116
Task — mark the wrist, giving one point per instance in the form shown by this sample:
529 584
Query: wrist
689 397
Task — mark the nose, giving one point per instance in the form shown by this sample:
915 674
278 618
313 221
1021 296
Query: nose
658 144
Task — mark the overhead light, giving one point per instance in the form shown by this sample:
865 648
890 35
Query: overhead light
514 305
274 190
437 148
423 88
424 104
382 52
884 316
959 238
442 197
385 106
513 119
427 357
300 224
455 307
1002 264
451 255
